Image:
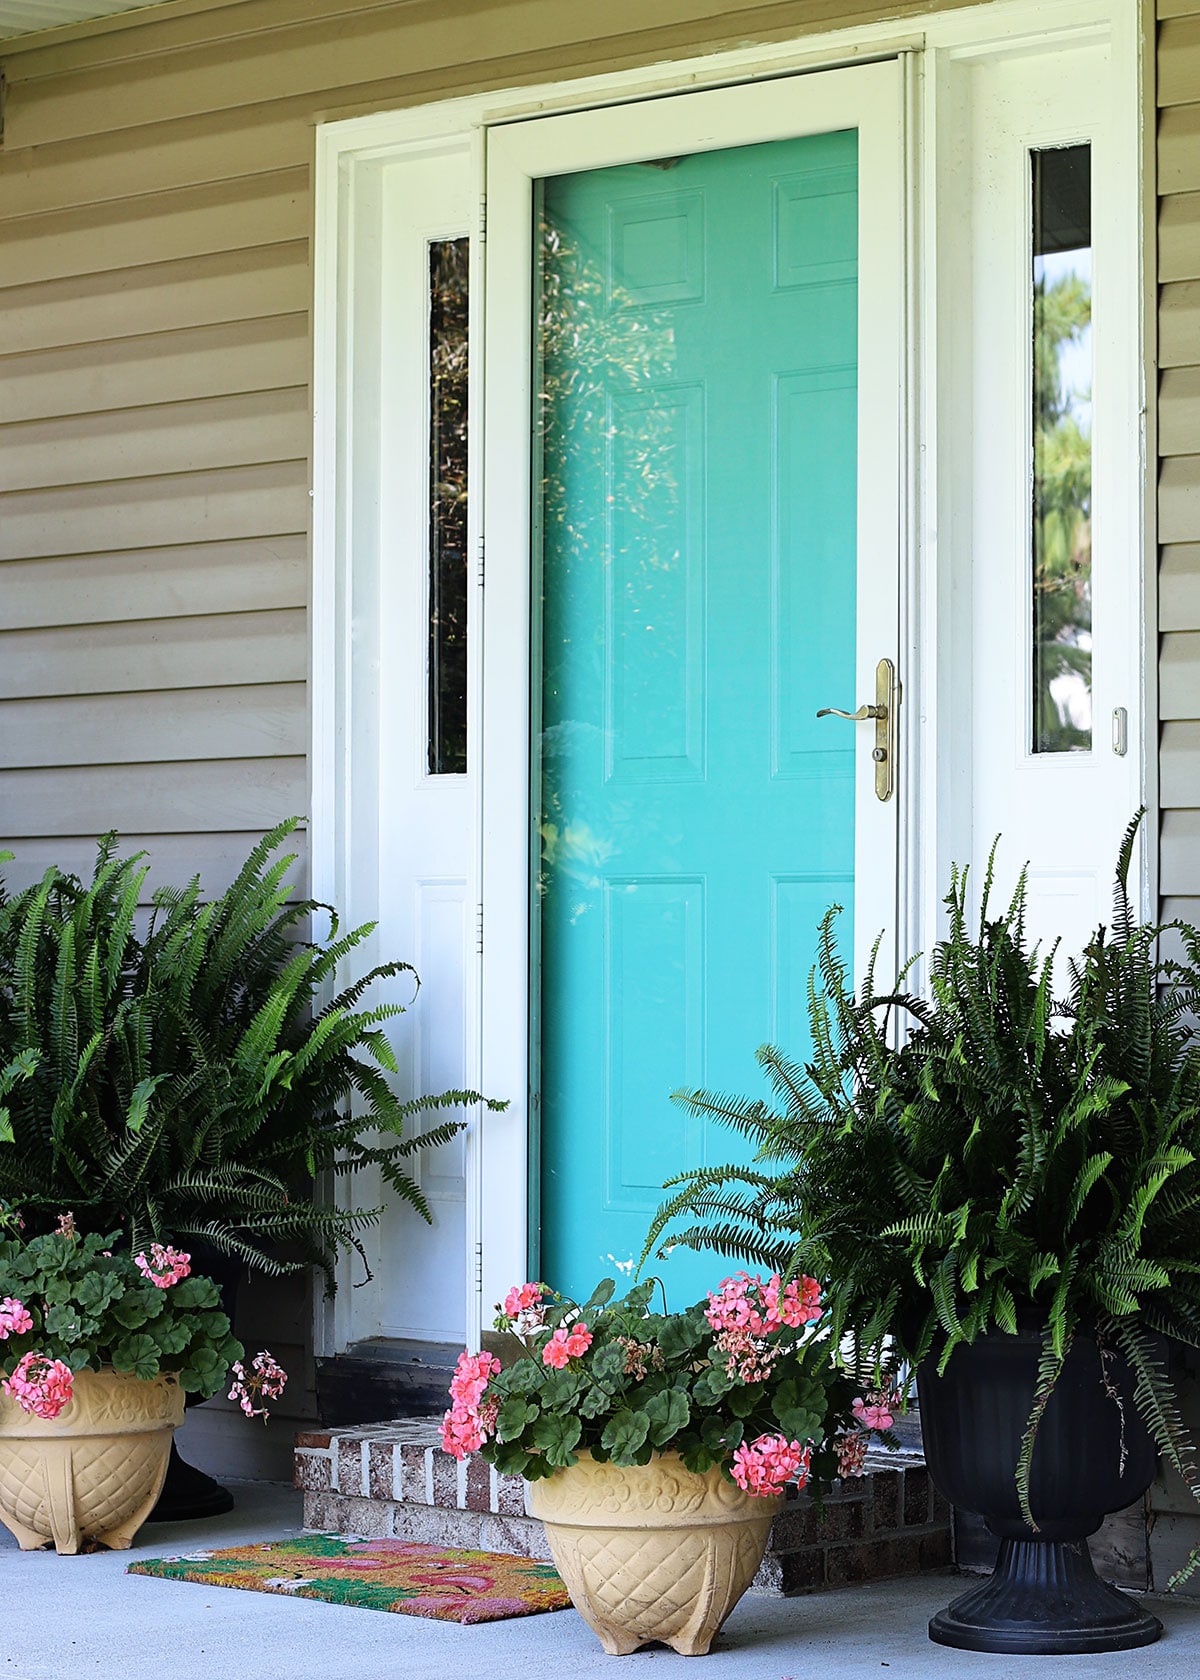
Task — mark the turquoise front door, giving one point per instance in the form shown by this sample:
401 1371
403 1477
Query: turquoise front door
695 513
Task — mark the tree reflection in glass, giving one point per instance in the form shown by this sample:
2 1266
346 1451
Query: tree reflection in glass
1062 450
608 508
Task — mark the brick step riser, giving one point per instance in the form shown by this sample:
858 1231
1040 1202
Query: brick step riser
390 1480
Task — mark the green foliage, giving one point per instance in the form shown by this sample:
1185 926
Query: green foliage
652 1382
1009 1153
190 1079
91 1306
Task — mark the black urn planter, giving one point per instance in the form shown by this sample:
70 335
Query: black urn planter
1044 1596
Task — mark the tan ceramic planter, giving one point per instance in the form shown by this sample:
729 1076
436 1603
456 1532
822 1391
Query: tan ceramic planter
94 1471
652 1552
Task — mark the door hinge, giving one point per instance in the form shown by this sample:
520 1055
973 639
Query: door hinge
479 1266
479 930
483 219
480 558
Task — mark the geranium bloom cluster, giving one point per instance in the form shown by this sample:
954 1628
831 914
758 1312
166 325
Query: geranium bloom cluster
471 1419
641 1357
40 1385
15 1318
767 1465
165 1265
745 1310
851 1450
566 1344
747 1303
876 1411
264 1380
523 1311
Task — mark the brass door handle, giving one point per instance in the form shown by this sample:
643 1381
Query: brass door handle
860 716
883 714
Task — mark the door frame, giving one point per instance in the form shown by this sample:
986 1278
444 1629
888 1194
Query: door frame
868 98
935 791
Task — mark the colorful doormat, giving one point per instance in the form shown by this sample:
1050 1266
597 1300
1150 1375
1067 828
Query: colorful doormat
400 1575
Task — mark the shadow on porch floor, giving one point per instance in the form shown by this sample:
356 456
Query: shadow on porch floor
70 1618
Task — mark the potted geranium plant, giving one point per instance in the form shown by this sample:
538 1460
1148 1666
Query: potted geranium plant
1004 1198
658 1445
98 1347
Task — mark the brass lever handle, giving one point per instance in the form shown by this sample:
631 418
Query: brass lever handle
883 712
860 716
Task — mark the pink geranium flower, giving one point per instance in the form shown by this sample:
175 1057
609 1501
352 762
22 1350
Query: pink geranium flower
15 1319
165 1265
522 1297
873 1412
264 1380
767 1465
556 1353
579 1341
40 1385
471 1419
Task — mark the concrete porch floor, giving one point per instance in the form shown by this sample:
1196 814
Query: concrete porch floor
70 1618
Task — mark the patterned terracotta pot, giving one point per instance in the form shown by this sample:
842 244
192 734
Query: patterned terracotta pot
94 1471
654 1551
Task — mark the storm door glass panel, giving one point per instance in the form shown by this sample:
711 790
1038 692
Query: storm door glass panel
697 432
1062 449
448 261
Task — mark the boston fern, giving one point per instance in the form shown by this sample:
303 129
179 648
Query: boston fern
184 1075
1010 1155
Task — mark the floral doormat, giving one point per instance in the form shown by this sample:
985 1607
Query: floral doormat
400 1575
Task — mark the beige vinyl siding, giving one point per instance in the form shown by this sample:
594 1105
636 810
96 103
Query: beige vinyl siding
1178 181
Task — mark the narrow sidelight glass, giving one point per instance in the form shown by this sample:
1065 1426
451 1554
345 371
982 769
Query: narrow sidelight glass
448 259
1062 449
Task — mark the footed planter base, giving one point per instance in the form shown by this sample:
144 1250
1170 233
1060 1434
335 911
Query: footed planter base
95 1471
1093 1454
1044 1598
652 1552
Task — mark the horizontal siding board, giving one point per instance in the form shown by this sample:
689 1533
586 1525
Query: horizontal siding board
268 720
201 579
223 216
133 162
170 798
436 40
1179 237
160 367
1182 910
260 427
173 858
135 513
1179 587
157 298
1179 412
155 654
1179 850
1179 324
1179 61
1179 499
1179 677
1179 762
1179 149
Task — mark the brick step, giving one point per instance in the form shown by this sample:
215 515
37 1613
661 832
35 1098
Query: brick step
394 1480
